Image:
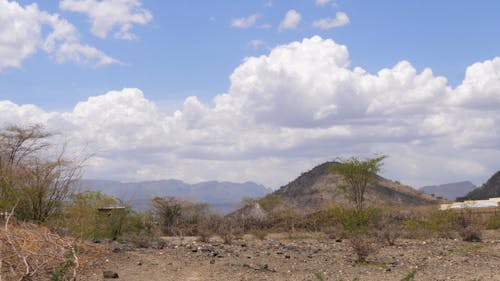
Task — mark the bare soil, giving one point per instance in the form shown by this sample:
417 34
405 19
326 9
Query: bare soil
304 257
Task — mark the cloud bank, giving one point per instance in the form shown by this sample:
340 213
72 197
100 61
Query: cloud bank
301 104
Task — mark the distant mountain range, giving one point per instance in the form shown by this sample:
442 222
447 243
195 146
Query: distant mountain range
450 191
319 187
488 190
222 196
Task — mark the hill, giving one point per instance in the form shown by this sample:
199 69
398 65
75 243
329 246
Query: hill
222 196
319 187
450 191
488 190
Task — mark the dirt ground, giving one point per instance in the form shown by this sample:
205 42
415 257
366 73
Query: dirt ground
302 257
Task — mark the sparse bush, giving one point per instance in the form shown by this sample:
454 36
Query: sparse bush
318 221
168 211
32 177
207 227
493 221
140 240
426 223
144 240
469 226
285 219
363 245
260 234
229 229
389 228
270 202
390 233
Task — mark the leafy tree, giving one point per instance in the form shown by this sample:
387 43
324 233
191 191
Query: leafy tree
357 174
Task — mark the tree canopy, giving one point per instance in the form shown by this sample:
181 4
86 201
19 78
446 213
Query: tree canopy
357 173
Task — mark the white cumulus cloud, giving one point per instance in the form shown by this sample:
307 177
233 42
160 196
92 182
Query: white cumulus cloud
21 37
256 43
322 2
291 20
117 16
244 22
340 19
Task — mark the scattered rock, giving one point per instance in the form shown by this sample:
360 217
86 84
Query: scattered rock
108 274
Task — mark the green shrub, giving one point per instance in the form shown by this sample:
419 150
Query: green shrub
354 221
83 219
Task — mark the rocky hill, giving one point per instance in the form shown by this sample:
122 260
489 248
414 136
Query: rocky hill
450 191
488 190
319 187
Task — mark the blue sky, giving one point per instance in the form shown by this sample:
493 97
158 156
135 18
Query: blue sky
183 49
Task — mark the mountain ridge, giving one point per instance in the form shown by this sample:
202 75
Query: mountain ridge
450 191
224 195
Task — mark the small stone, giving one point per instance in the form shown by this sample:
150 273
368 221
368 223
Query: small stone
108 274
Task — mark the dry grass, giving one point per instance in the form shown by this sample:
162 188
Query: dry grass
32 252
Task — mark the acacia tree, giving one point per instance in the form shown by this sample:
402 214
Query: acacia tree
357 174
30 179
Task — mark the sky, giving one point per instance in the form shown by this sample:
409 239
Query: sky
258 90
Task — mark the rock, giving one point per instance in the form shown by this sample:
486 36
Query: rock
108 274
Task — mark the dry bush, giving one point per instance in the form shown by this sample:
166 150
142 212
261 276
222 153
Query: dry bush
363 245
229 229
204 232
390 233
285 219
180 217
260 234
389 228
470 226
32 176
32 252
